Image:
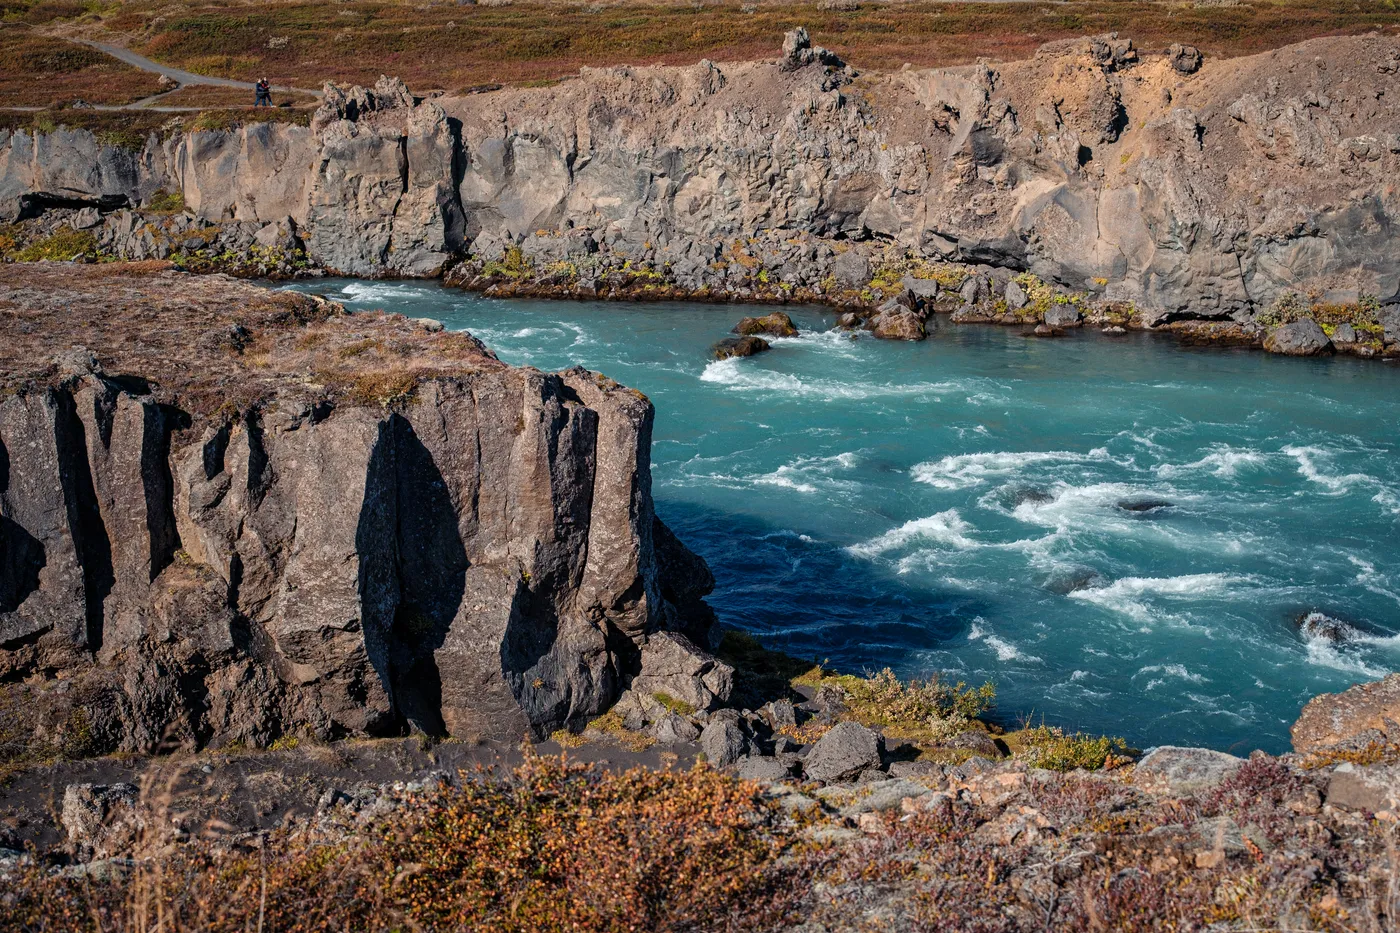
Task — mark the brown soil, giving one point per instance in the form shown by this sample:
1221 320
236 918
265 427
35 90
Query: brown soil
210 95
451 46
214 342
36 71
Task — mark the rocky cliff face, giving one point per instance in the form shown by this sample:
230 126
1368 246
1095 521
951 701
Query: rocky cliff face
263 516
1185 188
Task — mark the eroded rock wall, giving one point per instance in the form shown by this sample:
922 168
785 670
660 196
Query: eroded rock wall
1137 176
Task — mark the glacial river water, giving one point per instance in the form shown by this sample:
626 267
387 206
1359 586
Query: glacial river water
957 505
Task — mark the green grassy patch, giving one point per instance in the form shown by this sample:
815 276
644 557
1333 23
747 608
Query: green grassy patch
1052 748
63 245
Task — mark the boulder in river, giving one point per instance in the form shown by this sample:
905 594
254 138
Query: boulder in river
1319 625
1035 495
1300 338
740 346
776 324
899 324
1072 580
1143 504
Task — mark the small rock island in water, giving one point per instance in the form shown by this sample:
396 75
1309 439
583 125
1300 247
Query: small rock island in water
324 618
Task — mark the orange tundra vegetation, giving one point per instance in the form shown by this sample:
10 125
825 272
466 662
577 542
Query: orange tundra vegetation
558 846
454 46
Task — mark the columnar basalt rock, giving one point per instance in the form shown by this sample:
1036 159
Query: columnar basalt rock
269 551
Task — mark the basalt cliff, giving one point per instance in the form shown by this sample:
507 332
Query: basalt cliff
1155 180
229 515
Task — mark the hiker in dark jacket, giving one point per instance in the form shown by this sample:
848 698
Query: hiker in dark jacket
262 93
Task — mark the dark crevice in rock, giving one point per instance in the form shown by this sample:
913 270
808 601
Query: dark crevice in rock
159 486
34 204
455 235
259 470
90 539
215 450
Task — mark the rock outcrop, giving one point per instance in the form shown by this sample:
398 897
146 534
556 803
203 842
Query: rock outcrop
1300 338
1366 713
242 514
1187 188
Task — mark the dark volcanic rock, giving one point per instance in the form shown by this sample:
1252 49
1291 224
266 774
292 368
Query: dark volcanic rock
723 743
1143 504
1300 338
979 743
1185 59
1063 316
739 346
371 528
774 324
843 753
1322 626
897 323
100 820
672 666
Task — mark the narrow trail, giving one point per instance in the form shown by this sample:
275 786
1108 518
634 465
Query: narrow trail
181 78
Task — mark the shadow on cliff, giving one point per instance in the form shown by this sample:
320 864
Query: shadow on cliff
413 571
21 559
814 601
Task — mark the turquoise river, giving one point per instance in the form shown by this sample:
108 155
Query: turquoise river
1121 533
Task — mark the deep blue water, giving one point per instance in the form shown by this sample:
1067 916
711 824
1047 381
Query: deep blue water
954 505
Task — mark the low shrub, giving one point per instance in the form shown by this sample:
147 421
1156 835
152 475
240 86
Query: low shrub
512 265
392 388
63 245
1363 314
552 846
761 674
165 202
1051 748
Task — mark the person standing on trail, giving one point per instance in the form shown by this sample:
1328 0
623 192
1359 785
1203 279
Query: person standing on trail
262 93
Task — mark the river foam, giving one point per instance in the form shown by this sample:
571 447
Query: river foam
1121 535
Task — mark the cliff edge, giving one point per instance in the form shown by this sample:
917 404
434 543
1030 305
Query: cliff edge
229 514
